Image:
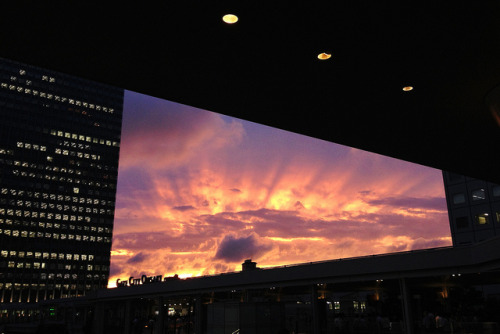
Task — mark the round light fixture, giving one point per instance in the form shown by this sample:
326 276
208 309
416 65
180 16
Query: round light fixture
324 56
407 88
230 18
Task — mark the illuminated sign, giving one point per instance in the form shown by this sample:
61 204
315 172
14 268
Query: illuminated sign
144 280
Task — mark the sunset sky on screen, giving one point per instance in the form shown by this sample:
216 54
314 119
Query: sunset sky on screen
200 192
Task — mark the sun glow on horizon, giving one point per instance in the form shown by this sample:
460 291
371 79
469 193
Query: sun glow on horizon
199 192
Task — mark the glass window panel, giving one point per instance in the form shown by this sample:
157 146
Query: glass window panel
482 219
462 222
478 194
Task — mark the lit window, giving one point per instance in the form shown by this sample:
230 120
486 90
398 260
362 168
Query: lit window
478 194
482 219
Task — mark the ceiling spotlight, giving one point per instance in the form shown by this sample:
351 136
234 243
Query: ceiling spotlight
408 88
324 56
230 18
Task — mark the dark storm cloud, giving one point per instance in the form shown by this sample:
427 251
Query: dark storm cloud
233 249
137 258
115 270
235 190
432 203
184 208
298 205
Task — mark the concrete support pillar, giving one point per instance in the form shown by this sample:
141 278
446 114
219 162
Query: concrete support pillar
406 305
315 310
98 323
198 315
160 320
126 317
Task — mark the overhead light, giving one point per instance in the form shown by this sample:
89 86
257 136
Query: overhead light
324 56
230 18
407 88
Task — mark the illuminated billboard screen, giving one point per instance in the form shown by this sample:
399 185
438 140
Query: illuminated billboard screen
200 192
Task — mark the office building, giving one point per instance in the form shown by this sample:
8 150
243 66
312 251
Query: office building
473 208
59 148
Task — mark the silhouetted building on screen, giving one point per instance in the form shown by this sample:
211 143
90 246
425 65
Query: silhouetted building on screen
473 208
59 148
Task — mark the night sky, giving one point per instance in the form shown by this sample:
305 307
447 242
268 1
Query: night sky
199 192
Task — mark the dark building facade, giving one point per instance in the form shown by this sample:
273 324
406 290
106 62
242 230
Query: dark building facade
473 208
437 290
59 149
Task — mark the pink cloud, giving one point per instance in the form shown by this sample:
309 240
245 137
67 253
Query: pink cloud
198 192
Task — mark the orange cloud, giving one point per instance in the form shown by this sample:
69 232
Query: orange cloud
194 185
